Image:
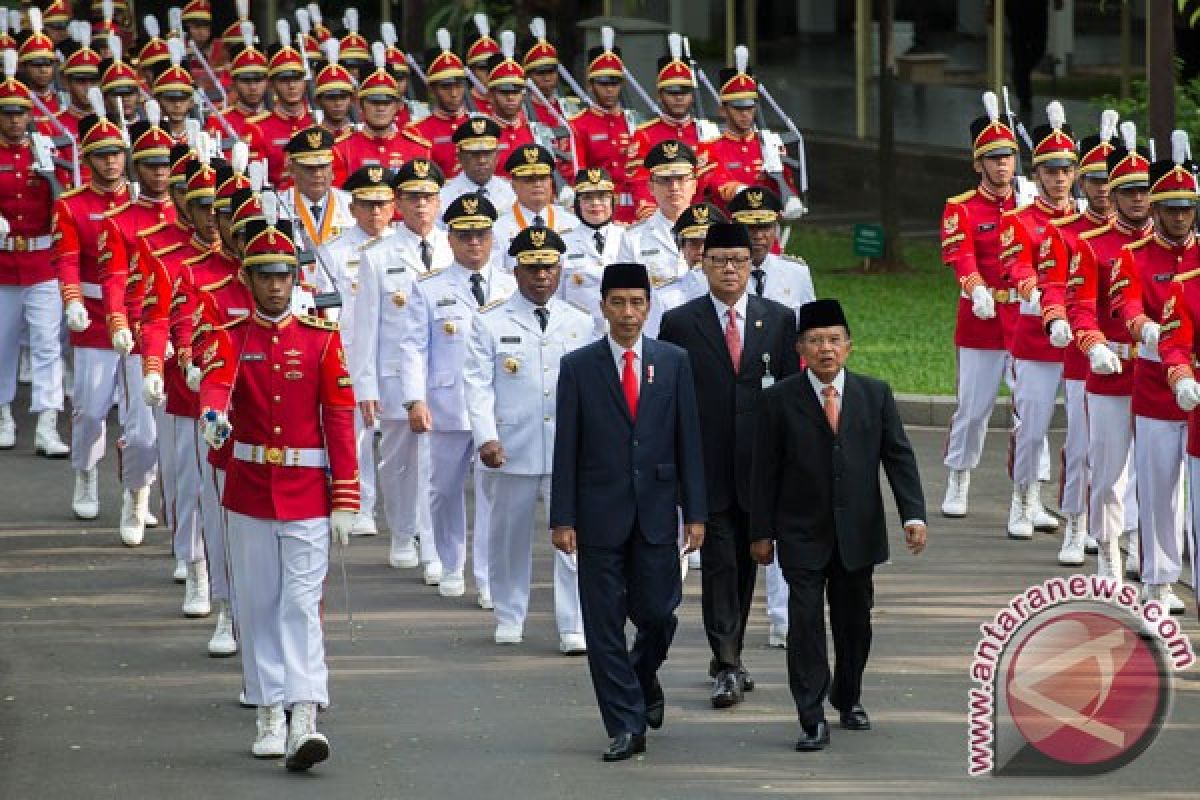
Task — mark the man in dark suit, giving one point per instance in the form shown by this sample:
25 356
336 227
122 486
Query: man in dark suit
738 345
626 450
822 436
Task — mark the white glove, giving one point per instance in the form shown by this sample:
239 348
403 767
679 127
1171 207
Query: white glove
1187 394
194 374
983 305
1150 333
1103 360
77 317
153 391
566 196
1034 303
1060 333
341 522
216 429
122 341
794 208
5 228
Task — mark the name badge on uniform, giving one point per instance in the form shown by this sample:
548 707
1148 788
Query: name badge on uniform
1164 277
768 380
254 356
733 164
394 270
985 227
279 142
7 167
575 255
239 312
446 301
441 139
510 340
96 217
653 252
373 162
599 137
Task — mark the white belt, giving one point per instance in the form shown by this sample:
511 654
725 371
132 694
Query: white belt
92 291
280 456
26 244
1124 350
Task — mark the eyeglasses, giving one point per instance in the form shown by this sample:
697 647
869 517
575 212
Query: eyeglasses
738 262
836 340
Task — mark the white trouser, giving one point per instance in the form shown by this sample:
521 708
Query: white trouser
1192 530
1159 446
215 525
34 312
451 454
979 376
279 569
189 526
1110 452
1033 403
403 483
510 564
137 449
364 441
95 390
777 595
166 463
1073 497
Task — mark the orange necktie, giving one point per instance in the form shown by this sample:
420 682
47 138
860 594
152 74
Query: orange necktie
831 406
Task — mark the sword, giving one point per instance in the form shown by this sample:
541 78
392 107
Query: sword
346 591
561 120
208 70
37 102
637 88
583 96
802 166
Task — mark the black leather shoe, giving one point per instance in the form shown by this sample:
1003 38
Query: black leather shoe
855 718
656 706
727 690
625 745
747 681
813 738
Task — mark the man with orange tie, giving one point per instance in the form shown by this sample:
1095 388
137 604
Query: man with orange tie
320 210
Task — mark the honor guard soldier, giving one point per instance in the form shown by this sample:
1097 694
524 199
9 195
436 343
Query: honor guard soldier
276 384
549 109
481 48
1140 294
1110 349
120 84
672 169
971 246
355 50
197 25
444 308
78 221
782 278
80 72
333 92
248 69
153 55
383 318
397 63
380 142
506 88
447 82
270 133
531 169
321 211
28 286
603 135
373 204
56 20
593 244
477 143
175 92
38 58
511 375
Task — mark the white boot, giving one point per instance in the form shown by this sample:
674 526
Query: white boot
180 575
133 510
8 428
1071 554
1042 519
86 501
195 593
271 740
404 554
1020 523
1108 562
452 584
1171 600
957 485
1133 556
24 368
222 643
364 525
433 573
46 441
305 747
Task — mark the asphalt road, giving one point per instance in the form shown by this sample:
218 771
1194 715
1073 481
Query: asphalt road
106 691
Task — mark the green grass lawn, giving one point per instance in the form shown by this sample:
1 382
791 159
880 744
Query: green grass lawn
903 323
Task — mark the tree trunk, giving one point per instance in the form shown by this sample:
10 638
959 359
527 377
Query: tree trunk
1161 74
892 253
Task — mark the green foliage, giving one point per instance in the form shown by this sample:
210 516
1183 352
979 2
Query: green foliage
1187 106
456 18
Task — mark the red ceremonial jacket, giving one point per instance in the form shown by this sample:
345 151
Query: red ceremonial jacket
1025 259
438 129
78 224
25 201
971 245
603 139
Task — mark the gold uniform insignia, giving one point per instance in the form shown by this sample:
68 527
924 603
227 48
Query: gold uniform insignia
420 167
755 199
511 365
1007 236
531 154
538 238
399 299
1074 267
314 139
595 175
1044 248
671 149
700 214
449 327
1169 307
471 205
478 125
578 278
375 174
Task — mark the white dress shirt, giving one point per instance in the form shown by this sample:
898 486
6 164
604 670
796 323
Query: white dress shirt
618 352
723 311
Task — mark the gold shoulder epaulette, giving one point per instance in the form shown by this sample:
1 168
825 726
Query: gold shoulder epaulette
1145 240
212 287
793 259
1094 232
71 192
962 198
196 259
493 303
153 229
647 123
168 249
424 276
573 117
259 117
413 134
1012 212
233 322
1058 222
317 322
112 212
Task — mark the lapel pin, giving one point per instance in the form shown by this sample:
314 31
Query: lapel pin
758 323
649 373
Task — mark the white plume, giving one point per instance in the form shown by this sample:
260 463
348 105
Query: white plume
83 33
301 46
1153 151
96 101
379 55
239 158
303 22
1056 115
1179 146
443 39
482 25
1108 124
270 206
608 37
114 46
257 173
741 58
153 112
191 132
203 147
1129 135
991 105
14 21
675 46
508 43
150 23
284 31
318 116
3 22
35 19
387 32
175 19
314 11
247 28
332 49
106 10
537 27
10 64
350 20
243 9
176 51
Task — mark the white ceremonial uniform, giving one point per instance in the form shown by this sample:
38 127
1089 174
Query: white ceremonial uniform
35 312
1160 455
652 243
785 279
497 190
583 266
515 218
445 307
311 231
511 375
690 284
388 274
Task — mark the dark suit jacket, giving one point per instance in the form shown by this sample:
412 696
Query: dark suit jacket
728 400
812 487
609 470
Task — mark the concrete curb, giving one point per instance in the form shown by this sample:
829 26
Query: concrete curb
934 411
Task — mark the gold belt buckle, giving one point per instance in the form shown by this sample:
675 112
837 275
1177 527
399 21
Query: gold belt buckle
274 456
20 244
1001 295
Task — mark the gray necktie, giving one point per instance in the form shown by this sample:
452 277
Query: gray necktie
543 316
760 281
599 237
538 221
477 288
426 254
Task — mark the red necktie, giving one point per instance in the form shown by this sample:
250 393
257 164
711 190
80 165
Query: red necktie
629 384
733 340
